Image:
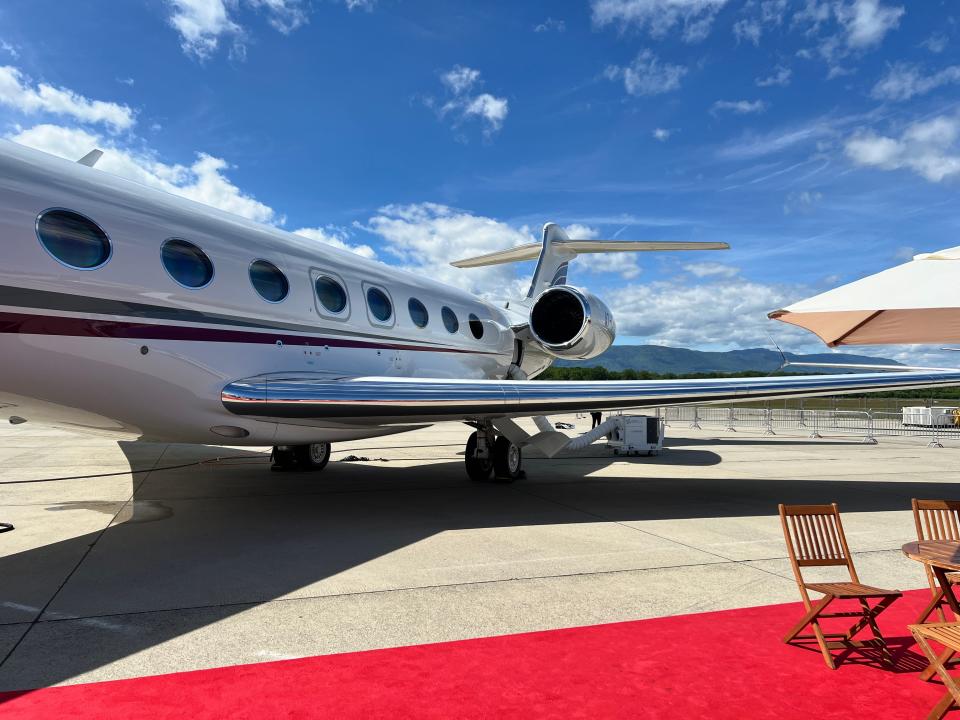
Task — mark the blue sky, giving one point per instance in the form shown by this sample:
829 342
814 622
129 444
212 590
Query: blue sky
821 139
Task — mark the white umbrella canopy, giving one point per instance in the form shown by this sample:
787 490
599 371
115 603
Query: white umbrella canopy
917 302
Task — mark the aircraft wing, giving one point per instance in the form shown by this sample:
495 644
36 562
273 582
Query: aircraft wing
385 399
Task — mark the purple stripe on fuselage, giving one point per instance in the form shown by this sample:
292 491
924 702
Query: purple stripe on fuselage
27 324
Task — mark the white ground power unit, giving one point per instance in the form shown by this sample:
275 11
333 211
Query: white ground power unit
636 435
929 416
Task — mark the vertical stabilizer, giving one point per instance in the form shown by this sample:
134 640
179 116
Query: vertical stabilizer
554 259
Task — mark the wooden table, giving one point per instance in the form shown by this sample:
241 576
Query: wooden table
941 556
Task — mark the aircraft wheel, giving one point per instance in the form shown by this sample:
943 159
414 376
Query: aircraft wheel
478 469
284 458
313 457
507 460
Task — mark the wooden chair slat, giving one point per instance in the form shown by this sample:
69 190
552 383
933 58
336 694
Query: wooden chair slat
809 522
816 521
831 530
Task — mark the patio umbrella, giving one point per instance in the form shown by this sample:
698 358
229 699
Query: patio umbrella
917 302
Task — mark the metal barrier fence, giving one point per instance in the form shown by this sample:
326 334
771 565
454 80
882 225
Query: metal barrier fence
865 424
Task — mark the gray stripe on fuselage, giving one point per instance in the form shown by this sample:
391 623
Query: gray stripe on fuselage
68 302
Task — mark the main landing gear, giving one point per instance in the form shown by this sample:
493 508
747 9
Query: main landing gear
492 458
304 458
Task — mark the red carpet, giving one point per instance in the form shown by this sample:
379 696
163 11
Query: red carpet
716 665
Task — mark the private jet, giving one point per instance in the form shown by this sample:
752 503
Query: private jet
129 311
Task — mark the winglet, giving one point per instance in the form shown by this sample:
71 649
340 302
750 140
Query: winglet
90 159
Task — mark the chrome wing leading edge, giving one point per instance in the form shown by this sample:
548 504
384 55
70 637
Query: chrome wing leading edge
365 399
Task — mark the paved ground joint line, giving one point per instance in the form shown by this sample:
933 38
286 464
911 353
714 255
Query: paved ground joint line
80 561
384 591
653 534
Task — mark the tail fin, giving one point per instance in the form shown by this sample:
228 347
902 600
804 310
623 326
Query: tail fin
557 250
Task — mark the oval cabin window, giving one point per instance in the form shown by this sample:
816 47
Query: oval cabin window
331 294
187 264
72 239
268 280
418 313
476 326
450 321
379 304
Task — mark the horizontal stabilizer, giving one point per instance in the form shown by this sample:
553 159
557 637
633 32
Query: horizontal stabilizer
531 251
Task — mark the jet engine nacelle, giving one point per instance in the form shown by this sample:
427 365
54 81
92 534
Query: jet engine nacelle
570 323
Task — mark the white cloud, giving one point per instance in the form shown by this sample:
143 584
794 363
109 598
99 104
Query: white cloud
659 17
814 14
460 79
17 92
461 105
10 49
332 235
662 134
646 75
728 312
928 148
739 107
203 180
285 16
202 23
780 77
711 269
748 29
936 43
625 265
819 131
427 237
801 202
492 109
760 15
903 81
867 21
549 25
859 25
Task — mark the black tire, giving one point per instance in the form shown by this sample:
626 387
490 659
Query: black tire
313 457
479 470
507 460
284 459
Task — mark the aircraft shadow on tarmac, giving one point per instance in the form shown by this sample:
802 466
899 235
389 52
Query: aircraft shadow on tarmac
206 542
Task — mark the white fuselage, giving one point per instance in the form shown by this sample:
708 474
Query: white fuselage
126 349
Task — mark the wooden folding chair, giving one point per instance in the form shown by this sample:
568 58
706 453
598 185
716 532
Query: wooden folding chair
814 536
937 520
948 635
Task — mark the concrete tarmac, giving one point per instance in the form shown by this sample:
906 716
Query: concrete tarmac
142 559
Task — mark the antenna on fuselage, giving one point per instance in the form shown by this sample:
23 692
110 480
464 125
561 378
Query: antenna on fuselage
90 159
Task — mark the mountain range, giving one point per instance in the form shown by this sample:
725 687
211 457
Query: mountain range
683 361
